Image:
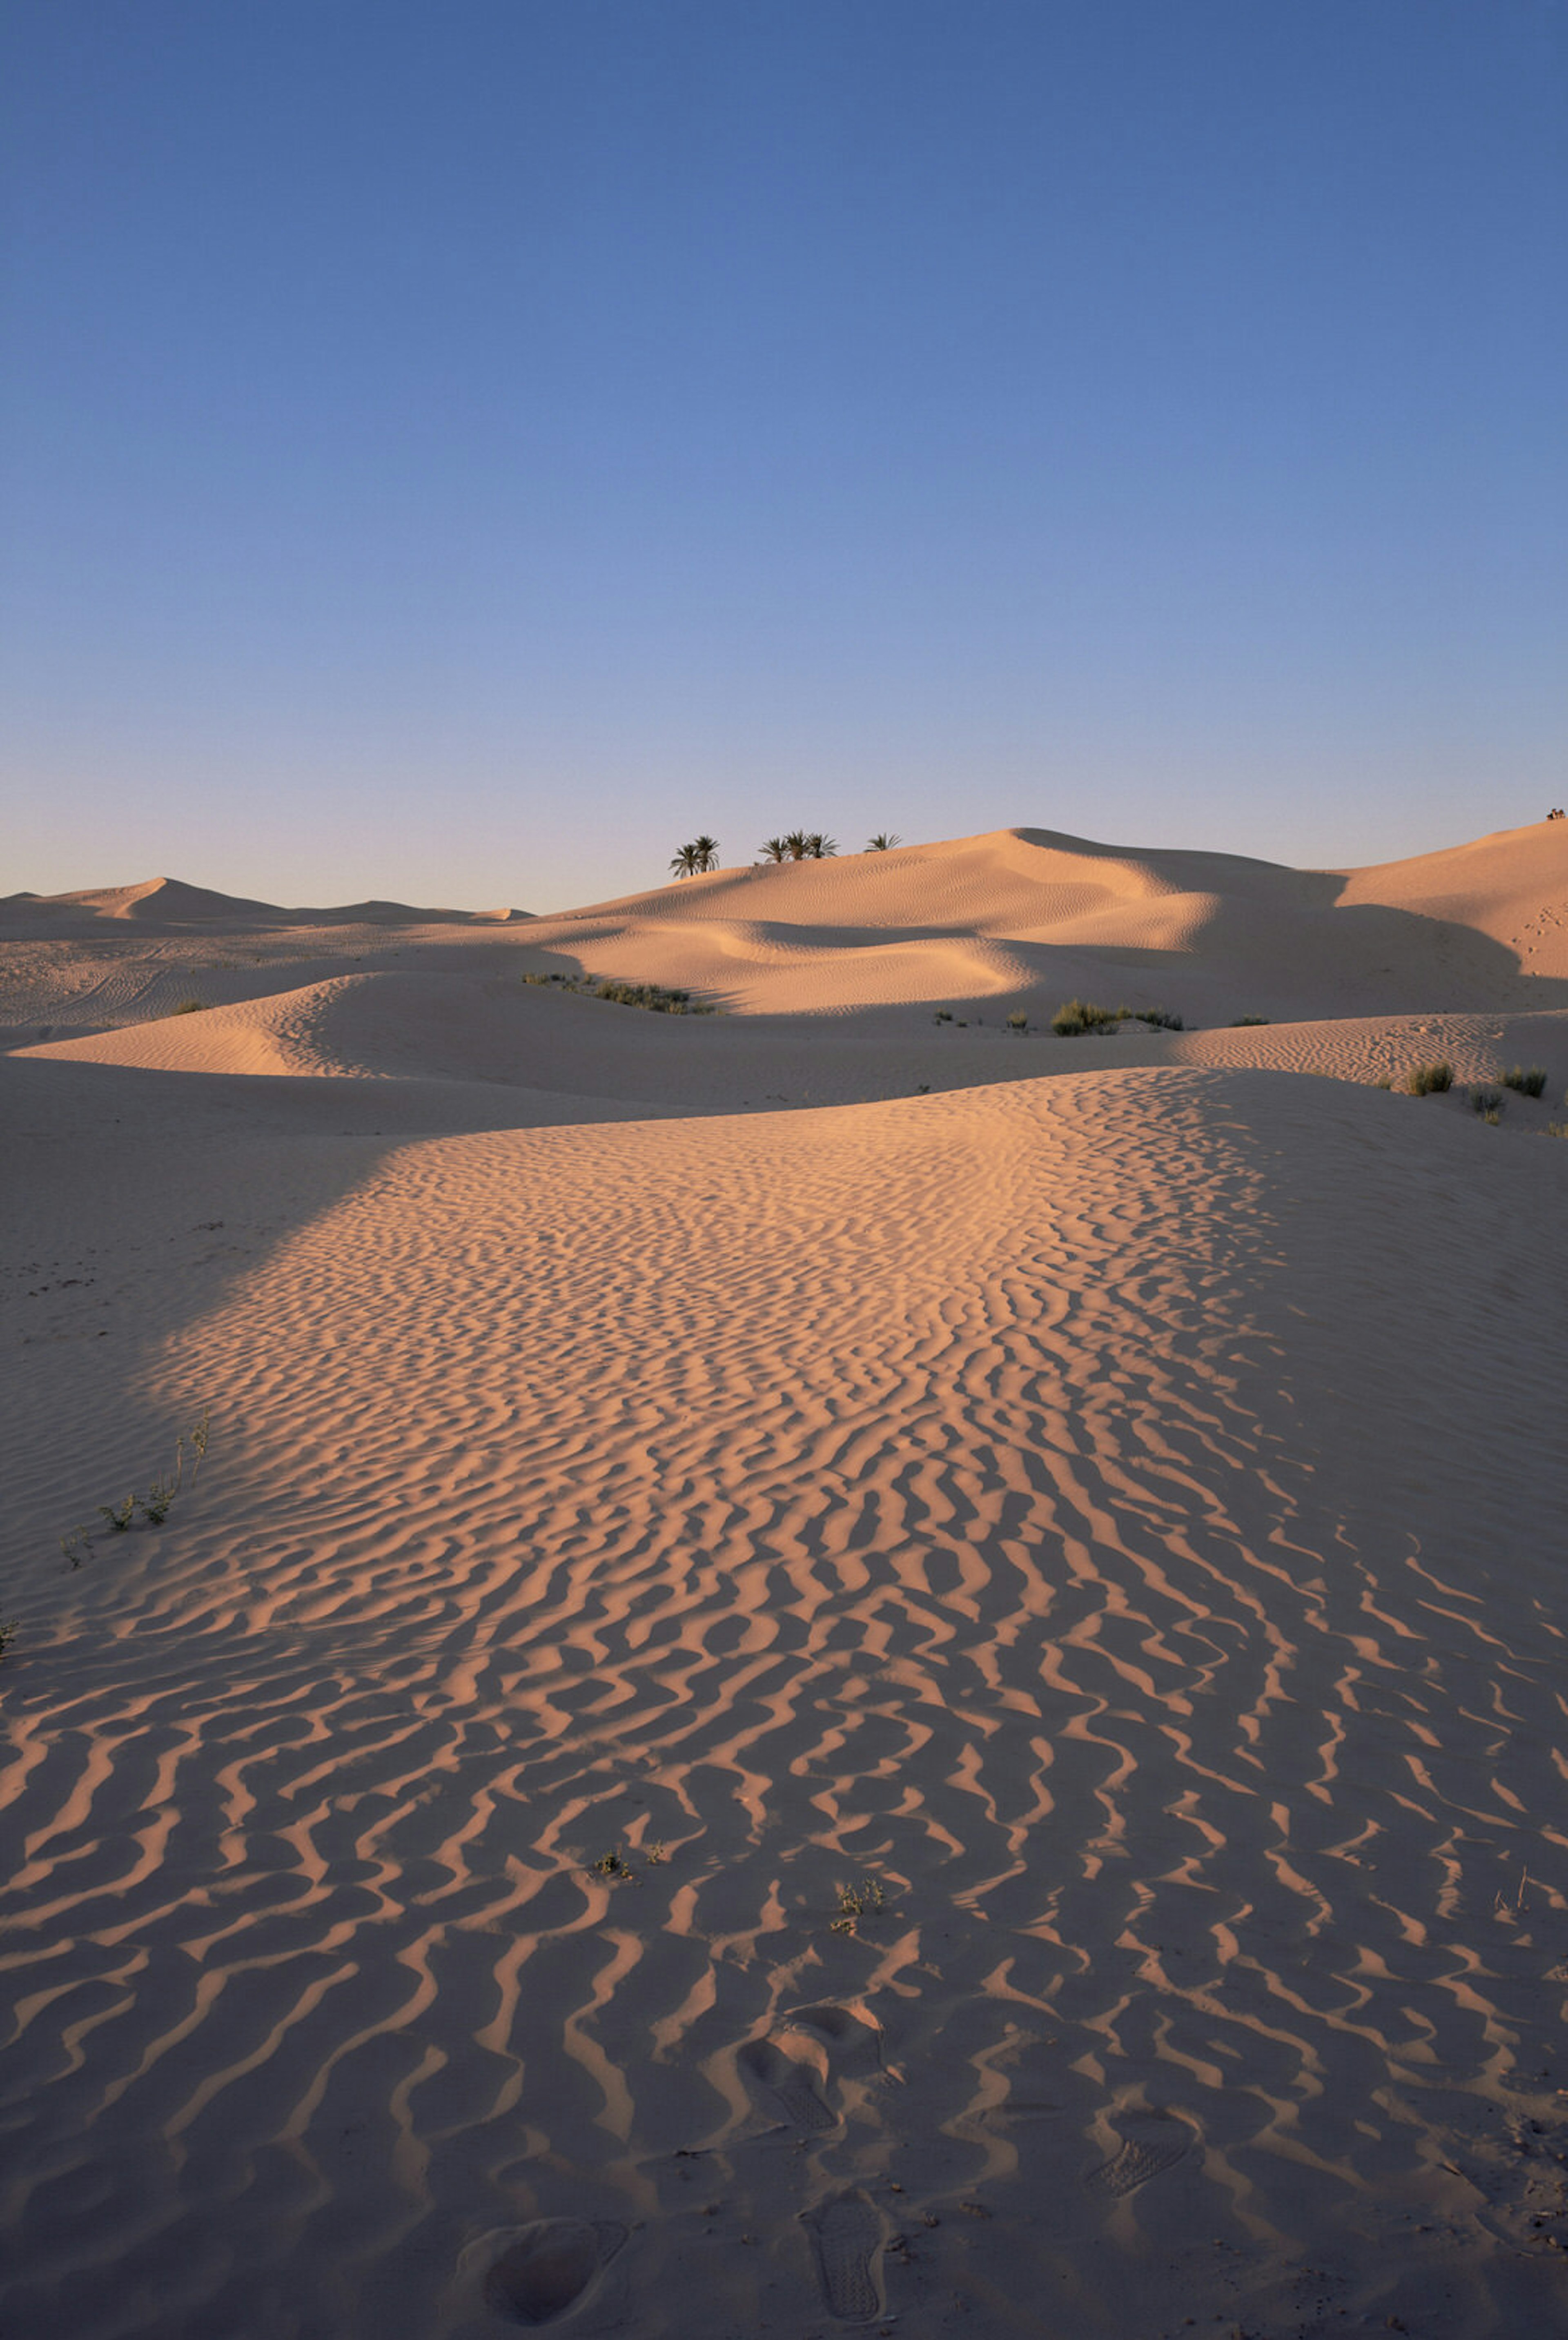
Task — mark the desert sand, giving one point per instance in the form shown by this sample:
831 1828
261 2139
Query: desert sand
826 1668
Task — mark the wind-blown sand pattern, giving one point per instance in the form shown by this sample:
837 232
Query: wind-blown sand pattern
1114 1500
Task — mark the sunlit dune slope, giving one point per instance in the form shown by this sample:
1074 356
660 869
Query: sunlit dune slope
1028 912
1016 921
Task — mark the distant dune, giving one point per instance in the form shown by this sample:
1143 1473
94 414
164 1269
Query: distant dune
167 903
834 1665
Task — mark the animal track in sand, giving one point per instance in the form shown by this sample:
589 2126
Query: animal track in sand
549 2268
1150 2143
847 2233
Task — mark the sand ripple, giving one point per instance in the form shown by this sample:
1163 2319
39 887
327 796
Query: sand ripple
934 1493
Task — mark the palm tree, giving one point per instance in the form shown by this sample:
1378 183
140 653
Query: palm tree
775 849
883 842
706 850
798 845
819 847
684 863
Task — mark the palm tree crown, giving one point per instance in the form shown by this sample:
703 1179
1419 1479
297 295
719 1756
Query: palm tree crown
702 853
883 842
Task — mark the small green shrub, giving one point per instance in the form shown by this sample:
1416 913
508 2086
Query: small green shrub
1018 1021
159 1498
1487 1102
155 1504
1078 1016
192 1007
1383 1081
617 1869
1530 1081
645 995
1238 1022
1430 1080
661 1000
943 1015
867 1899
7 1635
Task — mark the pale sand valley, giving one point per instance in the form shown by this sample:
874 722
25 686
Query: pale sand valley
841 1664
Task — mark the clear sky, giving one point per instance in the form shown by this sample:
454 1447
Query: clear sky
456 450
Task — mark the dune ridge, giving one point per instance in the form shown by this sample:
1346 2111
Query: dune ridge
775 1713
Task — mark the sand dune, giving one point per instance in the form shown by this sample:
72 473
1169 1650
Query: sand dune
1028 911
169 904
784 1705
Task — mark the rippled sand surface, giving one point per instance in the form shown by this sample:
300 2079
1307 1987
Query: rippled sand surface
943 1711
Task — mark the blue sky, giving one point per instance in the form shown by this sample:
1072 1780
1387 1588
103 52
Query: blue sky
458 450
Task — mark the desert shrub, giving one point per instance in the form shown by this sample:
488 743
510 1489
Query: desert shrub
867 1899
1529 1081
1486 1102
1383 1081
192 1007
1018 1021
645 995
943 1015
1077 1016
1239 1021
653 995
1430 1080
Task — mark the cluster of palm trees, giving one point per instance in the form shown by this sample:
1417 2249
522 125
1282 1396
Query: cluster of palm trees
702 853
801 845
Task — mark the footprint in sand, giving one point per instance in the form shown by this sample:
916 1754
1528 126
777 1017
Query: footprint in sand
847 2233
854 2041
1150 2142
793 2069
550 2268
